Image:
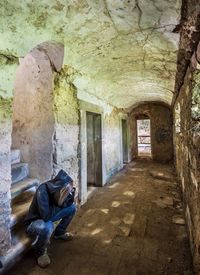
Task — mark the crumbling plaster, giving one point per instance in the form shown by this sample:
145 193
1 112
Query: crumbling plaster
66 139
123 51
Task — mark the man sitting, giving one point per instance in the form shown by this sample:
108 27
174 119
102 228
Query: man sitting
53 201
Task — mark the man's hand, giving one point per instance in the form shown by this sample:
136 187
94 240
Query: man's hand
61 195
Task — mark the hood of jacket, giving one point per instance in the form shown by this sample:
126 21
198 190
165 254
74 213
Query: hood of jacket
60 180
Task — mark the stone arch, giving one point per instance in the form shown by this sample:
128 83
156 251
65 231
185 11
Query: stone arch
33 117
161 129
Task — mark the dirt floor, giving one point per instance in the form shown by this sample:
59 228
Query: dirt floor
133 225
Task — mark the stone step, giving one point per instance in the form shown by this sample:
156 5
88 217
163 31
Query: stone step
20 206
20 244
19 172
15 156
28 184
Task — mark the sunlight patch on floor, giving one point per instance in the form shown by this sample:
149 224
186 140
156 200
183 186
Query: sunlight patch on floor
129 218
105 210
137 169
90 224
96 231
107 241
129 193
114 185
115 221
115 204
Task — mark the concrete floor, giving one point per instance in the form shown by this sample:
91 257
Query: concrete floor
125 228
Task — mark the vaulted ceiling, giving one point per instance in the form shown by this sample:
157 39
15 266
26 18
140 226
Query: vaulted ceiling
124 51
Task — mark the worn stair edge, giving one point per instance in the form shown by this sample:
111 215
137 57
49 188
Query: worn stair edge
24 185
20 206
15 156
19 172
15 253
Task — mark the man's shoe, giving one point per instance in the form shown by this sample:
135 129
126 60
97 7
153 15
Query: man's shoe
44 260
65 237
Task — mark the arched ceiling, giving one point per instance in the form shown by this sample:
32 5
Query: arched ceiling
124 51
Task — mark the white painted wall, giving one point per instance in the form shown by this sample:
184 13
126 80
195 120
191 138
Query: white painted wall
112 155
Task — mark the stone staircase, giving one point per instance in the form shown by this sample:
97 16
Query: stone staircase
22 190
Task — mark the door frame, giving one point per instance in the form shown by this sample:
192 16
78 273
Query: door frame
100 147
124 117
92 108
147 118
124 161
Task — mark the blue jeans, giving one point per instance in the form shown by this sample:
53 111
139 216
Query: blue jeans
43 230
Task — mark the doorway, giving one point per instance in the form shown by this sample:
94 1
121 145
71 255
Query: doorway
94 149
124 141
144 137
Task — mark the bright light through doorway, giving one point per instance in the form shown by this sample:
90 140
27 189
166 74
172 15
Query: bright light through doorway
144 137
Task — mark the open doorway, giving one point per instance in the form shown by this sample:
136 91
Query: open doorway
94 149
124 141
144 137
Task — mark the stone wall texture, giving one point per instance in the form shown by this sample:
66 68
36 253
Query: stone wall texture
187 152
5 173
112 142
67 126
186 109
161 130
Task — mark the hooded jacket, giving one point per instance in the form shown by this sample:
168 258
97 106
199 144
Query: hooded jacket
43 205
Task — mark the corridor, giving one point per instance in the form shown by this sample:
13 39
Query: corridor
133 225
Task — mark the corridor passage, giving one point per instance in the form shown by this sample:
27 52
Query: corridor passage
131 226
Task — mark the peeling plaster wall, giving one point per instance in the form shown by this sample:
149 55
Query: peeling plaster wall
161 130
5 173
112 138
8 64
66 153
187 151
